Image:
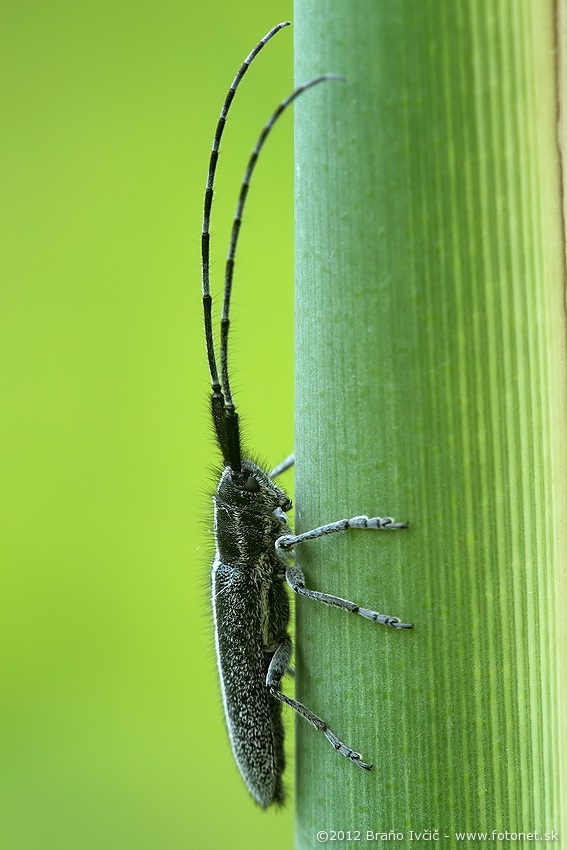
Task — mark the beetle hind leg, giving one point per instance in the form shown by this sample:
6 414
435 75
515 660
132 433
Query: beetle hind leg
277 669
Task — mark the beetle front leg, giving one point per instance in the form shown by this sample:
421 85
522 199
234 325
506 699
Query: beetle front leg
375 523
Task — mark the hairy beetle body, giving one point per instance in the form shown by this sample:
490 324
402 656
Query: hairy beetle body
251 615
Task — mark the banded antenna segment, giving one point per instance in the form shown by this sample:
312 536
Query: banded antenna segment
225 418
230 262
217 398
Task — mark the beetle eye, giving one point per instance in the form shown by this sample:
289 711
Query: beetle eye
251 485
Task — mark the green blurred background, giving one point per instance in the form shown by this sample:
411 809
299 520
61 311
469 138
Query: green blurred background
111 726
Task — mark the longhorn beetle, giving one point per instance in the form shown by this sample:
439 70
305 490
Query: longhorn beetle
253 539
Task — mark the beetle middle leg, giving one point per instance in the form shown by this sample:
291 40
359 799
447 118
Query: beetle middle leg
277 669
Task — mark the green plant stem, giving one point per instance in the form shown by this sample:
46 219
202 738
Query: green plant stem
431 375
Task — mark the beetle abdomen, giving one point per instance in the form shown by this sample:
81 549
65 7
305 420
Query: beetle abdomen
253 718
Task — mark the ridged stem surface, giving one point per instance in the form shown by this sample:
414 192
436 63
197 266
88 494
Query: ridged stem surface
431 385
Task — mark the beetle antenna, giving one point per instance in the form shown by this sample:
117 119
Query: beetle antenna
230 454
230 262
